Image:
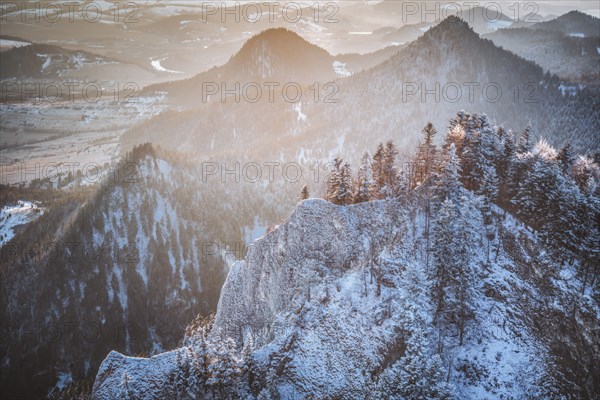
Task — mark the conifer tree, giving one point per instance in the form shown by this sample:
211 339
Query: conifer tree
456 136
417 375
525 141
390 173
489 186
334 180
340 183
365 190
505 162
378 169
304 194
426 155
565 158
448 183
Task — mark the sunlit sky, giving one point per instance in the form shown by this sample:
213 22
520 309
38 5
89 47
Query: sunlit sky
545 6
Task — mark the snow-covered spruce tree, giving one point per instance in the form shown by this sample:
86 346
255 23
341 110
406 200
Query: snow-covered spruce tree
365 187
565 158
418 375
339 190
455 135
525 141
426 155
504 168
489 189
443 240
588 237
586 173
466 272
546 191
334 180
189 381
224 368
448 185
403 182
481 150
452 273
535 194
471 160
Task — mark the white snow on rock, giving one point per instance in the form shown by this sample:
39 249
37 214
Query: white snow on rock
136 377
12 216
306 296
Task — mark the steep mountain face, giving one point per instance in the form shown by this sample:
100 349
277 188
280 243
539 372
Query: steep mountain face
129 268
448 68
336 302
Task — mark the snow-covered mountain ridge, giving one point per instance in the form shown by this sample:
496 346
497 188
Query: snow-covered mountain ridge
126 270
336 303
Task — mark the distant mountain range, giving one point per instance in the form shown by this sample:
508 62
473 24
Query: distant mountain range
33 60
568 46
574 23
385 101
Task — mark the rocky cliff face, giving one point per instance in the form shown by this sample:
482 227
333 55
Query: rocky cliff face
337 303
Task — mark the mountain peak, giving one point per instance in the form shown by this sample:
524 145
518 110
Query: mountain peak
572 23
275 34
576 15
278 53
452 27
453 23
278 39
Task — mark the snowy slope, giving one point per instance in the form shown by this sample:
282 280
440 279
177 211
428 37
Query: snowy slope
13 216
330 303
128 271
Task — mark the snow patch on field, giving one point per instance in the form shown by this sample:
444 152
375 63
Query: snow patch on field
10 44
157 66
